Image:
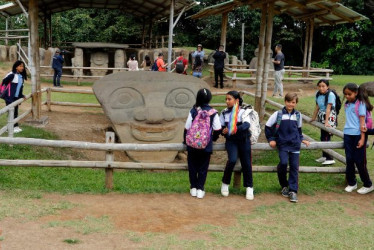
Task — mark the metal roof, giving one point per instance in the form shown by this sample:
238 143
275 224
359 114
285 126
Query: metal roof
155 9
324 12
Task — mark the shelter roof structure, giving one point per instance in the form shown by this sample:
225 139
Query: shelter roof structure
323 12
149 9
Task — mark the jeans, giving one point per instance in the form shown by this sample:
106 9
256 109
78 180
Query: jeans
241 148
56 77
293 180
278 86
198 163
356 157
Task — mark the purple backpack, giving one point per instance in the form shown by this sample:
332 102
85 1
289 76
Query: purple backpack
198 136
368 118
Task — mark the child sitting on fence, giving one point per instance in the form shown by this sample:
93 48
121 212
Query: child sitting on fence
202 127
236 131
357 110
326 112
283 130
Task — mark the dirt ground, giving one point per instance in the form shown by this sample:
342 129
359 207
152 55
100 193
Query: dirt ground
179 214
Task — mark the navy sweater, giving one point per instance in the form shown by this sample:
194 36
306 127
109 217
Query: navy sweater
289 135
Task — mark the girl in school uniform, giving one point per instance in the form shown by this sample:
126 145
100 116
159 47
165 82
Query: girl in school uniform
238 144
198 159
325 113
354 137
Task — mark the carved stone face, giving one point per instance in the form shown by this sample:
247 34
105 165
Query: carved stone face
148 107
99 58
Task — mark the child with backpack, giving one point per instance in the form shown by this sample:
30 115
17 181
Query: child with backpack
283 131
201 129
12 88
236 131
358 119
197 67
326 111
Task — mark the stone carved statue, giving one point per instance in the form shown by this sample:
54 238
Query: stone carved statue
77 61
41 56
148 108
3 53
13 53
99 60
119 60
253 63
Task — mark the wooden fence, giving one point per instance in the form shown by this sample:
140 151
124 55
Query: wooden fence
109 146
299 73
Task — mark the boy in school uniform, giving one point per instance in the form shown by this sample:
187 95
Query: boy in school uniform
283 131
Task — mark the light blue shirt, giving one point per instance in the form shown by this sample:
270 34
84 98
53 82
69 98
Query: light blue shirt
201 54
19 85
352 121
321 101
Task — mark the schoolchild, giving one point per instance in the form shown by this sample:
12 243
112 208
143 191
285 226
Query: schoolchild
16 80
354 137
325 114
198 159
283 131
238 144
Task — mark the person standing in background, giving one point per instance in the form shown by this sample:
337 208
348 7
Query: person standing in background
219 64
57 62
279 71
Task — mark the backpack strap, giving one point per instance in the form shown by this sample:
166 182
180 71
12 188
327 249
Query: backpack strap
279 120
357 105
298 117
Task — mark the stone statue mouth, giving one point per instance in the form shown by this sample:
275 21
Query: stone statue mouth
154 133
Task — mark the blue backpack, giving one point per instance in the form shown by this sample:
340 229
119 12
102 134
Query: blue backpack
154 66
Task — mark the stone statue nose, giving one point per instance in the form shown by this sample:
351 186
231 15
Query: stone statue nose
154 115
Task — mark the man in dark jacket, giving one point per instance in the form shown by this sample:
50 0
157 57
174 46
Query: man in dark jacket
219 64
57 62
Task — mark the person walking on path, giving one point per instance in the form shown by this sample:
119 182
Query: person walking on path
132 63
219 64
279 71
57 62
161 65
16 79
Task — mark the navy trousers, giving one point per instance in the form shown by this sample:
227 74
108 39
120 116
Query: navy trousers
293 159
326 136
56 77
218 72
356 157
198 163
15 112
242 149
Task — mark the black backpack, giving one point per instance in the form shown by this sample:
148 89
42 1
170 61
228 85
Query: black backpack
154 66
338 102
179 67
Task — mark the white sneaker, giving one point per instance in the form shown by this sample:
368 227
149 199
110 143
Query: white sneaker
321 159
328 162
193 192
249 194
17 130
225 189
200 194
350 188
365 190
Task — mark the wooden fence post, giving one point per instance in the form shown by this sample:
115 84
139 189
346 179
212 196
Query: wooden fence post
109 158
11 122
49 97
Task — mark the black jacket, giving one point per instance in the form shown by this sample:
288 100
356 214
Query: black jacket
219 59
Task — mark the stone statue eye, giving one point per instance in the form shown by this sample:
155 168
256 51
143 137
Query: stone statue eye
180 98
126 98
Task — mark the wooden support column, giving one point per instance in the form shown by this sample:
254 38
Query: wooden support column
306 47
260 60
6 32
50 30
150 34
310 43
34 59
242 47
267 61
225 18
171 28
45 31
143 33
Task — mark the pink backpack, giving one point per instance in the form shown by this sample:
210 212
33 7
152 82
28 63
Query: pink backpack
198 136
368 118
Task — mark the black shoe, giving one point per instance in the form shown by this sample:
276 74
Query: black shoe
293 197
216 86
285 192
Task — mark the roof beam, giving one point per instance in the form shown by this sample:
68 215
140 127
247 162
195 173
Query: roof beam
312 14
332 10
